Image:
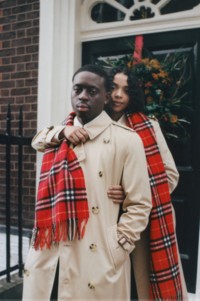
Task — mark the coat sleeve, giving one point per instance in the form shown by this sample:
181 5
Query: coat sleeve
43 138
170 167
137 204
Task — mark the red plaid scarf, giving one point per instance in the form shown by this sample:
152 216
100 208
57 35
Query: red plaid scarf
61 207
164 275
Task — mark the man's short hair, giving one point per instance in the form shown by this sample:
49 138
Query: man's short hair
96 70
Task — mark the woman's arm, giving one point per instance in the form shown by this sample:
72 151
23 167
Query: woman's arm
116 193
53 135
169 164
47 137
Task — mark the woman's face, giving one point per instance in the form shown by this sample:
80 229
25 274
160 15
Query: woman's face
119 95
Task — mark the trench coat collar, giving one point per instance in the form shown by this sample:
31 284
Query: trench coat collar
93 128
97 125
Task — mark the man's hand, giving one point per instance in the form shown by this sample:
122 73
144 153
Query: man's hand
74 134
116 193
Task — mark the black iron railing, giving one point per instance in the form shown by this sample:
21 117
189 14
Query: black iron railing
9 140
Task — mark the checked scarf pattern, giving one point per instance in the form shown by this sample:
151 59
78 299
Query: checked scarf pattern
61 207
165 282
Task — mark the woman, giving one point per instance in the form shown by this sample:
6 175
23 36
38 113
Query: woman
126 101
127 98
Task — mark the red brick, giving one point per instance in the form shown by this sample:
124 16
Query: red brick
19 38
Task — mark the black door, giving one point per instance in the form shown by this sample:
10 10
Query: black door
186 197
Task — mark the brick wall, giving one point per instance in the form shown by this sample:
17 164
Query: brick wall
19 38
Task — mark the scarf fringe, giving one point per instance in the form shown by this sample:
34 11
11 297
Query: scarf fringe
44 238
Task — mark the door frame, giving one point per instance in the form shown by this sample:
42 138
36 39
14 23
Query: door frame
94 49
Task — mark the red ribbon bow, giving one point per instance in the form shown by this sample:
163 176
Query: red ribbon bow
137 54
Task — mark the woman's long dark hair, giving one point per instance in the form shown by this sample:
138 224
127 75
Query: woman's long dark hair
135 92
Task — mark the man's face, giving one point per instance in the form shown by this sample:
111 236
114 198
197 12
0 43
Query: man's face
88 95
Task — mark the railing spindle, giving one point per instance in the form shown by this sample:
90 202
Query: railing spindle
8 127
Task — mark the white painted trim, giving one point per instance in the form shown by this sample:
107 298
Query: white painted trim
45 62
59 56
88 5
170 22
45 70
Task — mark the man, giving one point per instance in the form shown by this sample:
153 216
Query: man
96 266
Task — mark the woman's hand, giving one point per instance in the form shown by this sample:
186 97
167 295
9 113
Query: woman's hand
116 193
74 134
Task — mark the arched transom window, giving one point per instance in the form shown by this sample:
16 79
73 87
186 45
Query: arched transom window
106 14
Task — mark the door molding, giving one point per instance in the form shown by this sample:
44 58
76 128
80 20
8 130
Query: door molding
90 30
94 49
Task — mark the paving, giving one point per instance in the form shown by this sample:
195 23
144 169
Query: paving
13 249
11 290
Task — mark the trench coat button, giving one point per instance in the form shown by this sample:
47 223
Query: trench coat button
106 140
26 272
100 174
91 286
95 210
93 247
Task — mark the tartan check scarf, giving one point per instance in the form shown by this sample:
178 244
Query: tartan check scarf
61 207
165 282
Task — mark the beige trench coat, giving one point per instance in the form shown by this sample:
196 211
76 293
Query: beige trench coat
97 267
